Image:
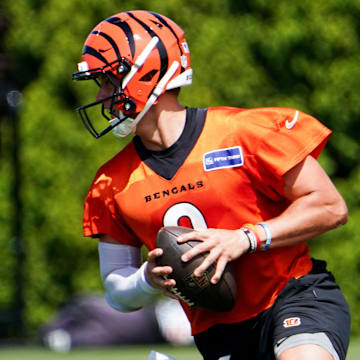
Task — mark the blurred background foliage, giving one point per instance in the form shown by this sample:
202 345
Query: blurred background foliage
303 54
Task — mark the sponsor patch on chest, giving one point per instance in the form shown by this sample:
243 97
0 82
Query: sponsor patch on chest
223 158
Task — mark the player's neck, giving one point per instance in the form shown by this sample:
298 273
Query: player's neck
163 124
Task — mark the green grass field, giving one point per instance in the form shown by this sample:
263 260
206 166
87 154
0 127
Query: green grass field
121 353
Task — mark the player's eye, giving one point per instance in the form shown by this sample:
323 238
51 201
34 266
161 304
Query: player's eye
104 80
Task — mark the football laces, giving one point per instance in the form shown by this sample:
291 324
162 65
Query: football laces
178 293
182 297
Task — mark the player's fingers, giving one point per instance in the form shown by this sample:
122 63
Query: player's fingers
162 270
186 237
153 254
220 267
196 250
192 235
167 282
159 278
163 284
209 260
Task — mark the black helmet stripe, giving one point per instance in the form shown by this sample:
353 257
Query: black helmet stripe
111 41
127 30
164 22
95 53
160 46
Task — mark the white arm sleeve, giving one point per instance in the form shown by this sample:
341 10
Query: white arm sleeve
126 288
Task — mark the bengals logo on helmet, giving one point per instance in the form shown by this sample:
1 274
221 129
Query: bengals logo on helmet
147 51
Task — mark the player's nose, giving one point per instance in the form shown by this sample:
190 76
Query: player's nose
102 94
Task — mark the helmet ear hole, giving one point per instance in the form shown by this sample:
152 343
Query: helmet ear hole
148 76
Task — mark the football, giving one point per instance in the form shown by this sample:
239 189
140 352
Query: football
194 291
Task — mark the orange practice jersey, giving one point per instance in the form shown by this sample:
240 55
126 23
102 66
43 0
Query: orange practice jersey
232 175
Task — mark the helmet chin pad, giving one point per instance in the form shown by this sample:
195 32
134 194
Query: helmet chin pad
124 128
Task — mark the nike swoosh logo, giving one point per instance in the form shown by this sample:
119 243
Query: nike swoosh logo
290 124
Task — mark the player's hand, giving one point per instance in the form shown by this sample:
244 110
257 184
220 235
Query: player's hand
223 246
157 275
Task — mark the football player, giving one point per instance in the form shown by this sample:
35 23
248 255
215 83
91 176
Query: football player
246 180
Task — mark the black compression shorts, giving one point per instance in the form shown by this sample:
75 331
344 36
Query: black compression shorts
311 304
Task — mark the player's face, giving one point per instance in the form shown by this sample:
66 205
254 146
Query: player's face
108 85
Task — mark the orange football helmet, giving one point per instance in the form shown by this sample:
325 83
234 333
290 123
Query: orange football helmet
147 52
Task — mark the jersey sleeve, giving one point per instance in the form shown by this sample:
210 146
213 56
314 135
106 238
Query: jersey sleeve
101 215
281 138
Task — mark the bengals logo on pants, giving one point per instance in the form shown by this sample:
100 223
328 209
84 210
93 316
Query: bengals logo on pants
290 322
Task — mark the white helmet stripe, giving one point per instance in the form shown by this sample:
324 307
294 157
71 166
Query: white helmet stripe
158 90
140 60
183 79
128 126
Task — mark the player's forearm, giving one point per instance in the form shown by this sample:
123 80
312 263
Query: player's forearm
307 217
315 207
128 293
126 288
